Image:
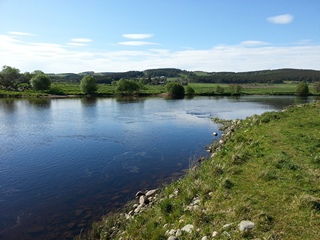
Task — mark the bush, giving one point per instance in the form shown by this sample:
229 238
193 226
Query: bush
175 89
127 86
88 85
40 82
302 89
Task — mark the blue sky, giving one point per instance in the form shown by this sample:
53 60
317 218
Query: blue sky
121 35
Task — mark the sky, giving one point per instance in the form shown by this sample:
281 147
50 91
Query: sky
60 36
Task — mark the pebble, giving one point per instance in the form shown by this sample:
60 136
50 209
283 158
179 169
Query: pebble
150 193
173 238
227 225
246 225
187 228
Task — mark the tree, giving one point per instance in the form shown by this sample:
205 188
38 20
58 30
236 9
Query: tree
302 89
88 85
127 86
189 90
9 77
40 82
175 89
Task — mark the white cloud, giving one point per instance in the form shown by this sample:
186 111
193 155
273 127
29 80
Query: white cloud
252 43
136 43
137 36
21 34
57 58
281 19
81 40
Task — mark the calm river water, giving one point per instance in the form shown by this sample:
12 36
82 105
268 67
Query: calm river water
66 162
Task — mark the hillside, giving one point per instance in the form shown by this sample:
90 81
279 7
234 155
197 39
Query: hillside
264 172
264 76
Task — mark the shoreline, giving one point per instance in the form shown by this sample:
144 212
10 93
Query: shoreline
210 199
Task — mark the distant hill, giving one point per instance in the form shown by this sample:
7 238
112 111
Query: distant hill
261 76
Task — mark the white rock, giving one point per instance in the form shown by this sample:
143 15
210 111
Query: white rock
215 233
227 225
204 238
196 202
171 196
172 232
150 193
178 233
246 225
135 206
173 238
187 228
141 200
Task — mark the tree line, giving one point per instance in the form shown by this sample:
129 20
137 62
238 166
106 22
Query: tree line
12 79
264 76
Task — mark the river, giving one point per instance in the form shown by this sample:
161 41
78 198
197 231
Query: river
66 162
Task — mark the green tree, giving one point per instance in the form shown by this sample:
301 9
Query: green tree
316 87
127 86
88 85
175 89
40 82
302 89
9 77
189 90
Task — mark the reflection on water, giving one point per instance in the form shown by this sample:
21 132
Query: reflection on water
66 162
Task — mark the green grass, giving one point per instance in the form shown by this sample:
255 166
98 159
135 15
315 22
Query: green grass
287 88
267 172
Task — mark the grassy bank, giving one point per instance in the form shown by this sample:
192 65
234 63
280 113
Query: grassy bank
67 89
265 169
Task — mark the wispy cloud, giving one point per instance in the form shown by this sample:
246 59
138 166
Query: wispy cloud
79 42
137 36
281 19
253 43
21 34
50 57
136 43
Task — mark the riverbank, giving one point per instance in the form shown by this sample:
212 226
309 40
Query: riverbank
66 90
262 181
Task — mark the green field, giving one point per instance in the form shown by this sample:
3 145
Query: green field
266 171
200 89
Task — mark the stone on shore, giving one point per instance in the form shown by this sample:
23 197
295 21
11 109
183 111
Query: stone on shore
246 225
187 228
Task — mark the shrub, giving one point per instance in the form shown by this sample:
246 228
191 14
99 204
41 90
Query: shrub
127 86
302 89
40 82
175 89
88 85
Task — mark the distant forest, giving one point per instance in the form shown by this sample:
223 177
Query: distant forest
263 76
